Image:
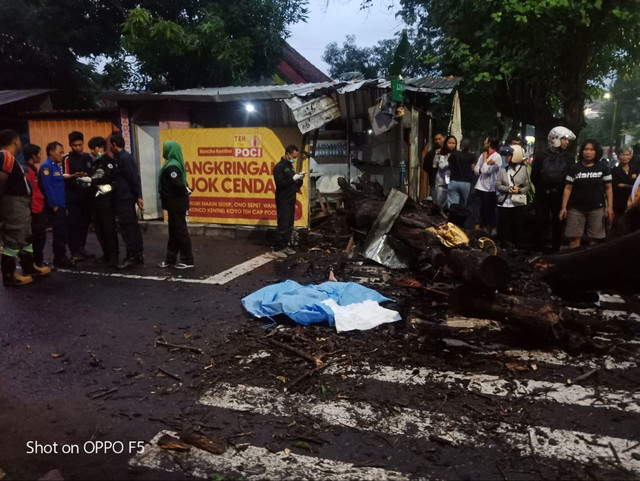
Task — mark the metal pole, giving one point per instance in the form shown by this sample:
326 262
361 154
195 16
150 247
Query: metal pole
613 126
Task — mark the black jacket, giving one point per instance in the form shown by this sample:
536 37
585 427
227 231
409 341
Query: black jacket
173 192
286 187
127 184
544 186
75 191
104 172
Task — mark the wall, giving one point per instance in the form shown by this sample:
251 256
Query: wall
41 132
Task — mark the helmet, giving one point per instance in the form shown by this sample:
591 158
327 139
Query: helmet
518 154
558 133
506 150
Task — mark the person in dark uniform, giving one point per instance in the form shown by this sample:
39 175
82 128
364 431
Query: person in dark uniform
288 184
52 185
76 164
127 192
31 154
104 217
15 215
174 194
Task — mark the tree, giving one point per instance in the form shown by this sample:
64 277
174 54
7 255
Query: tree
538 59
209 43
373 62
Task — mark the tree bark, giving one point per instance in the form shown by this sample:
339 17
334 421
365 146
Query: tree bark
477 268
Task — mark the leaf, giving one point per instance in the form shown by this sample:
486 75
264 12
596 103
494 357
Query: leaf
281 378
292 424
304 445
514 366
56 354
287 451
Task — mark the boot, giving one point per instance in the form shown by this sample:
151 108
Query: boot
30 268
9 275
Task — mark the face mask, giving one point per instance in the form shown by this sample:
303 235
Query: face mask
98 155
292 160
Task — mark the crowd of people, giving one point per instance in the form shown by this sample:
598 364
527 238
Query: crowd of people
576 199
67 192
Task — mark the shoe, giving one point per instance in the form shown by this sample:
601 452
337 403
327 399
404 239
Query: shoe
17 280
64 263
36 271
130 262
165 264
182 265
289 251
281 254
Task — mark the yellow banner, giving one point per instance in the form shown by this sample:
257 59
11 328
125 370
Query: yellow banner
230 171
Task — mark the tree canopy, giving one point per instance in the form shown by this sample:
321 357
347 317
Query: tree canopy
161 44
538 59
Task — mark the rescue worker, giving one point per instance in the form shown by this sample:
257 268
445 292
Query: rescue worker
52 184
76 164
104 217
127 193
174 194
15 215
288 184
31 155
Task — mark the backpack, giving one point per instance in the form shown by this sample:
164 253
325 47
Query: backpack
554 169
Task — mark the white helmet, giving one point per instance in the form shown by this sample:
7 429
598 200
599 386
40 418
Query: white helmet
558 133
518 154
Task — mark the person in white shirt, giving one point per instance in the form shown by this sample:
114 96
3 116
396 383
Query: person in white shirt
486 169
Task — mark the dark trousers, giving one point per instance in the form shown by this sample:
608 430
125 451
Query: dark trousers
179 240
104 221
58 220
486 208
78 222
129 228
510 224
547 212
286 211
38 236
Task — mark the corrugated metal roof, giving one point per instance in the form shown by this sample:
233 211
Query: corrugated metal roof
10 96
280 92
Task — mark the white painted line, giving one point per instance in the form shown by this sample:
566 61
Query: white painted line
240 269
218 279
255 464
614 299
547 442
573 394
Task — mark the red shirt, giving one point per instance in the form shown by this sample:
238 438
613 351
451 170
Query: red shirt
37 200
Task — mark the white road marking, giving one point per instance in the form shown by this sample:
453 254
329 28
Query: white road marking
254 464
547 442
615 299
217 279
495 386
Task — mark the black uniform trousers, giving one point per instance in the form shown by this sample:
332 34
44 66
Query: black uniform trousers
38 236
179 240
58 220
104 221
548 206
285 208
129 228
79 215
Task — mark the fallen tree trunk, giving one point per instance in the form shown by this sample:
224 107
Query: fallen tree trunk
614 263
477 268
536 315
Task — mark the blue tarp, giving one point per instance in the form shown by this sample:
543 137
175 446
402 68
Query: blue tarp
304 304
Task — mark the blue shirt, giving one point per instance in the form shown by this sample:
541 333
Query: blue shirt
52 184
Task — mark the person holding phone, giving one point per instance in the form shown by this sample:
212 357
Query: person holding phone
288 184
512 185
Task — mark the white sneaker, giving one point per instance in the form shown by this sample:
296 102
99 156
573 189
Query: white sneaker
182 265
281 254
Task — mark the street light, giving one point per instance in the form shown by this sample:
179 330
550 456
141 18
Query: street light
249 108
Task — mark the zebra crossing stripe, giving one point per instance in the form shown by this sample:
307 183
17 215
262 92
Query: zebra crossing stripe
546 442
255 463
495 386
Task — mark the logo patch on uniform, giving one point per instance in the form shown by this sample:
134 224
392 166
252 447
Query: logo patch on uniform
634 176
110 166
45 171
57 173
174 175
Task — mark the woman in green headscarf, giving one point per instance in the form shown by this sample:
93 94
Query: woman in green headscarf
174 194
